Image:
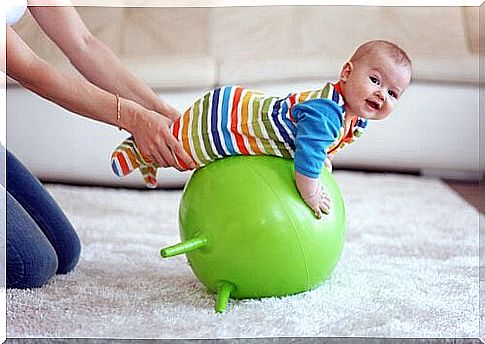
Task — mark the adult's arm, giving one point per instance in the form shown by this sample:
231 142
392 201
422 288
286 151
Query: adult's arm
92 58
78 95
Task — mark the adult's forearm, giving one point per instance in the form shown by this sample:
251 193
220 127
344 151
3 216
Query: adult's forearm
94 59
71 91
102 67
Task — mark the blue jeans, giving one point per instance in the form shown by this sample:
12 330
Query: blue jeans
40 239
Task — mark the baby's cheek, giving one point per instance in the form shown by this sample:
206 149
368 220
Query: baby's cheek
386 112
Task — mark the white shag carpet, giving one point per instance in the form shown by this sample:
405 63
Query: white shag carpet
409 269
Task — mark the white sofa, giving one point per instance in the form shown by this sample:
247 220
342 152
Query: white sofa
181 52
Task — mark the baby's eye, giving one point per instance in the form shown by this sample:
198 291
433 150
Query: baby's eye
392 94
374 80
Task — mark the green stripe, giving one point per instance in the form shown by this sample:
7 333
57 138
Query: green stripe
285 152
268 149
195 133
130 145
205 130
266 120
313 95
325 91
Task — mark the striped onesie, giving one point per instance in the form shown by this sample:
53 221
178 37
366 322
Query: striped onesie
304 126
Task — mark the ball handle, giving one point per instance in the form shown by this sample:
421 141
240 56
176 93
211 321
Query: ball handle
183 247
223 294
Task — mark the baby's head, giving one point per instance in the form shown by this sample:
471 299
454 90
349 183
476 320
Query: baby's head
374 79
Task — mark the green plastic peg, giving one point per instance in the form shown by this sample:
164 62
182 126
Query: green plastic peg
183 247
223 293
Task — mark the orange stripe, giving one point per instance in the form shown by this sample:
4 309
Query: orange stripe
303 96
184 136
234 118
245 126
134 161
346 138
185 131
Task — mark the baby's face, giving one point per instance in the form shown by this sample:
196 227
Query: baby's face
373 85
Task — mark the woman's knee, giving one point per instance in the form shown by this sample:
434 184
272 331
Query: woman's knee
69 255
31 259
45 212
30 267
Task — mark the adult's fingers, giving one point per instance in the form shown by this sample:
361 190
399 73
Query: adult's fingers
147 158
154 158
166 155
178 150
159 159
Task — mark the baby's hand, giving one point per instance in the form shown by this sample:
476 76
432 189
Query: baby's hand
312 193
328 165
319 202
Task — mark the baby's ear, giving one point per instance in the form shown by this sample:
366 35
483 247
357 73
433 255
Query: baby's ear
346 71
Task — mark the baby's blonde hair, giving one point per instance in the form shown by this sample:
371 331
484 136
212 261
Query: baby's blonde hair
398 54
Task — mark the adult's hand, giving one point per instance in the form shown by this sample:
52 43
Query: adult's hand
151 132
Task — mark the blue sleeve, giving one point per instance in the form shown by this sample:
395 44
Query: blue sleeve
318 124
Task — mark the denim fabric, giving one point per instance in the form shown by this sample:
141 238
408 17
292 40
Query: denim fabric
40 239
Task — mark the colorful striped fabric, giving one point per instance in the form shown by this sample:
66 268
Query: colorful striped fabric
232 120
126 158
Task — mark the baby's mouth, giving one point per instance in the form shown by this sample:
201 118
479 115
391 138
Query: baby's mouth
373 104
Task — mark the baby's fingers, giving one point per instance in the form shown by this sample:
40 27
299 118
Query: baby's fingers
319 208
325 208
325 203
318 212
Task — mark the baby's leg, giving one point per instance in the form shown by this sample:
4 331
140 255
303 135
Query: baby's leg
126 158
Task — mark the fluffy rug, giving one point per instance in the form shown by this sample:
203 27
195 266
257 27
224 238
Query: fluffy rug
409 269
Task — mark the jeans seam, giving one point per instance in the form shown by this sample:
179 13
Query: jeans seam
20 275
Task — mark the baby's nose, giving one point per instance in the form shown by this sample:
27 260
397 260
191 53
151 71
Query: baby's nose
381 95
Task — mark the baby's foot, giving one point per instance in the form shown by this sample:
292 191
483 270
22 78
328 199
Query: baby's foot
126 158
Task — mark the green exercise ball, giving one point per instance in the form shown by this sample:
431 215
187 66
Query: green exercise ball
247 233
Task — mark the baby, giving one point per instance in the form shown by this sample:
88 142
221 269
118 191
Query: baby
306 126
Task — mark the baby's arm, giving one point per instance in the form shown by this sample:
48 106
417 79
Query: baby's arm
318 125
328 165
